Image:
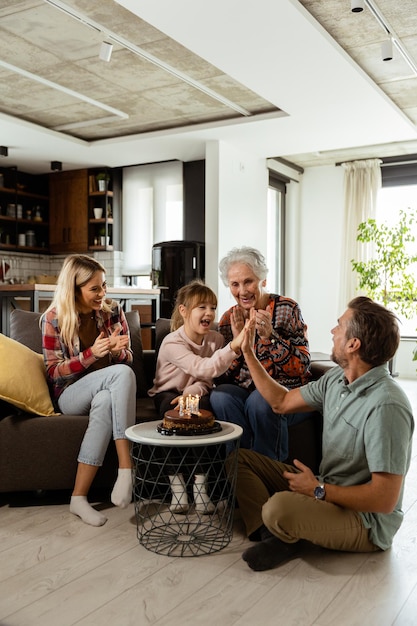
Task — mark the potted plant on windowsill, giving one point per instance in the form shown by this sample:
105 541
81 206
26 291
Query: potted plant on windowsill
103 180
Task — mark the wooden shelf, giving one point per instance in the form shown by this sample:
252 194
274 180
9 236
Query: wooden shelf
101 193
102 220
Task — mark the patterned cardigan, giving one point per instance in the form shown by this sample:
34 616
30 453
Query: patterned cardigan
285 354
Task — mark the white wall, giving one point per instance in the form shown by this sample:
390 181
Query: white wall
236 209
236 215
321 222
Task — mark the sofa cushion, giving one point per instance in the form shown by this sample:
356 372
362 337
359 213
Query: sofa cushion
24 328
22 378
133 320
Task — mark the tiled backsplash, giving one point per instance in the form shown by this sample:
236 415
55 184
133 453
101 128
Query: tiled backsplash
22 266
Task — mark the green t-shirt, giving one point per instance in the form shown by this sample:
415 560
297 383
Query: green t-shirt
367 427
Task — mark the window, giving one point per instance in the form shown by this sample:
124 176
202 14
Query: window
152 212
276 234
391 199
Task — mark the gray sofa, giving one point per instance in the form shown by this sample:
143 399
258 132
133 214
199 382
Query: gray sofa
40 453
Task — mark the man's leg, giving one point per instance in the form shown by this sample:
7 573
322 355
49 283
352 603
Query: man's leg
258 477
293 516
290 517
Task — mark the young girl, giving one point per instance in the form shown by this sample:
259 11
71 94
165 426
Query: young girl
190 356
86 346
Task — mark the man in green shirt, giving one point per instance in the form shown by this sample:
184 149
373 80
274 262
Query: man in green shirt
354 504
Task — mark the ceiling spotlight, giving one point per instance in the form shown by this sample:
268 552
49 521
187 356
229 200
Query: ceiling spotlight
356 6
105 51
4 151
386 50
56 166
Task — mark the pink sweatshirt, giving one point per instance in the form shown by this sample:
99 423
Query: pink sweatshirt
188 367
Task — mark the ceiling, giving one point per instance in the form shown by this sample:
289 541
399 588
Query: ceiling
303 80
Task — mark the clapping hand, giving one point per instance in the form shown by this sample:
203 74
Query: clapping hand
237 320
118 342
263 323
113 343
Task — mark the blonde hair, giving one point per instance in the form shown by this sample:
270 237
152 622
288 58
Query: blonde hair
191 296
77 270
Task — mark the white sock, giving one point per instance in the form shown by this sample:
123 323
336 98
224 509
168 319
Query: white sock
202 502
122 490
179 501
80 506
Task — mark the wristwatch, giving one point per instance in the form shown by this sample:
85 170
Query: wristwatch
320 492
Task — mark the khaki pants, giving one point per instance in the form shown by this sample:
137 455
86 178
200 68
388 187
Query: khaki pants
263 497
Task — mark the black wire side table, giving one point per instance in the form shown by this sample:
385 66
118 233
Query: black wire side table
184 489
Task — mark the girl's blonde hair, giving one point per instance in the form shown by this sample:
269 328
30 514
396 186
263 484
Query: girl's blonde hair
77 270
191 296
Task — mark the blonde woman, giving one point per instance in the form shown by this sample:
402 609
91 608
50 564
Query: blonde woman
86 348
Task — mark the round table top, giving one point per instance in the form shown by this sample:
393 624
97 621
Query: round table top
147 433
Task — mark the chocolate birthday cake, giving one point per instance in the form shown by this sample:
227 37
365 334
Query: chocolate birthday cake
203 421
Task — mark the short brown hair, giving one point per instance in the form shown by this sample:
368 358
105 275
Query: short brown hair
377 329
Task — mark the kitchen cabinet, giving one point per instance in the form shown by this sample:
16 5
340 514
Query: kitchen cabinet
24 211
100 211
68 193
104 209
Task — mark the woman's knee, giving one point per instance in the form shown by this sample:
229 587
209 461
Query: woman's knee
125 374
227 395
256 404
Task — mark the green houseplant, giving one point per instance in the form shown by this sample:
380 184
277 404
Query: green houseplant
388 277
102 180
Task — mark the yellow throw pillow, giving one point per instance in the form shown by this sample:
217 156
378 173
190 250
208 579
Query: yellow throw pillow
22 378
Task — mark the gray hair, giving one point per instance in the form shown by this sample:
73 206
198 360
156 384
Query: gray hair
249 256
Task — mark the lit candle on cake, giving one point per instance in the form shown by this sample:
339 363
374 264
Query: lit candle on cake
181 405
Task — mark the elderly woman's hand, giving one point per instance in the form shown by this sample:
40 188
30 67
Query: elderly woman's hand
263 324
237 321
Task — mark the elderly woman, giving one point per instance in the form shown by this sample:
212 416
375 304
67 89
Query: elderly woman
281 346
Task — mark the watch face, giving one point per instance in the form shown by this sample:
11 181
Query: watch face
319 493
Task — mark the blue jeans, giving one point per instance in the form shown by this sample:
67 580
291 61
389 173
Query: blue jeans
108 396
264 431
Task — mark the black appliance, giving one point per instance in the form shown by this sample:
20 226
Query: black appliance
174 264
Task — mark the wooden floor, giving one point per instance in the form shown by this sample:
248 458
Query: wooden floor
57 571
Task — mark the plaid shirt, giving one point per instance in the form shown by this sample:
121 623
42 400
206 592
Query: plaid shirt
285 355
66 364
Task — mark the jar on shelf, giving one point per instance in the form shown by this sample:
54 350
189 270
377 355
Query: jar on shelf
30 238
38 214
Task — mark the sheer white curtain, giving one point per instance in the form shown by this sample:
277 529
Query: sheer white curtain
361 184
152 212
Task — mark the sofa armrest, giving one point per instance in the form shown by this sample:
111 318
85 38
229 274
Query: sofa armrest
318 368
320 364
149 361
